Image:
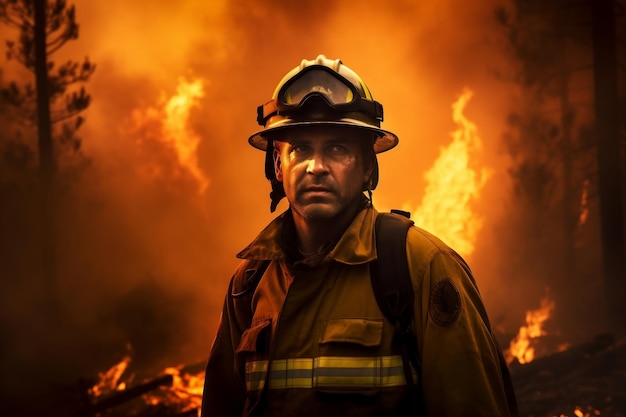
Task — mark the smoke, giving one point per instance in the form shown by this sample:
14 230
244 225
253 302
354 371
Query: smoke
146 261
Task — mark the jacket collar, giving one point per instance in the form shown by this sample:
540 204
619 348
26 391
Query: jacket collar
355 246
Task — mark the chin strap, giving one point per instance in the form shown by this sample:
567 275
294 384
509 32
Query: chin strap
368 188
278 192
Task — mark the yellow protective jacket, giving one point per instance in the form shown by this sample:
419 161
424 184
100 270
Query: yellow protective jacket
312 341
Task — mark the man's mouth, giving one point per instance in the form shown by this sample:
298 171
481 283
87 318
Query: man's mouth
316 190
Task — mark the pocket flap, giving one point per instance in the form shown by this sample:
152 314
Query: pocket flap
250 338
358 331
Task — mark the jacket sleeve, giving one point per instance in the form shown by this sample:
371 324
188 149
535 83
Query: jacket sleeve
462 371
224 392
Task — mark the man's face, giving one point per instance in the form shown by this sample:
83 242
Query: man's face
323 170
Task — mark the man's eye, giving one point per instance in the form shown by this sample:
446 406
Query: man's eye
338 149
299 149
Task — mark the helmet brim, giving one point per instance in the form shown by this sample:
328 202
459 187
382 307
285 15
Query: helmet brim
385 140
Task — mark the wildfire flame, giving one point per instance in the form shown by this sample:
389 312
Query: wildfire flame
186 389
521 347
452 184
184 395
110 380
165 128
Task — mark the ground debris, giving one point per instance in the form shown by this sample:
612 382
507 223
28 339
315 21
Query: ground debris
583 381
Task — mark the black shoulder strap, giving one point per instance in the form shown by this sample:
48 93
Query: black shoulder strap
393 289
391 281
390 273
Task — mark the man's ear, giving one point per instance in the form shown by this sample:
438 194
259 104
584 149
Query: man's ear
369 165
277 165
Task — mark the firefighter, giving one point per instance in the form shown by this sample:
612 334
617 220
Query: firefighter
301 332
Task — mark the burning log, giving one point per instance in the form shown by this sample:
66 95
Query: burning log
163 410
124 396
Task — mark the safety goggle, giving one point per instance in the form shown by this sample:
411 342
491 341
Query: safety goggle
337 92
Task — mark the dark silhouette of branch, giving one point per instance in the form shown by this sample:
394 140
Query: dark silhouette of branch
61 27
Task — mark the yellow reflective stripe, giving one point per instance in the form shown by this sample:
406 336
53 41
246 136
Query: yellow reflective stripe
291 373
255 375
380 371
328 371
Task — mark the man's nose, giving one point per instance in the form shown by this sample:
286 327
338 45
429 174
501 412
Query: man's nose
317 164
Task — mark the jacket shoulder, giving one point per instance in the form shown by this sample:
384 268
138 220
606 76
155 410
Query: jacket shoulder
247 276
423 247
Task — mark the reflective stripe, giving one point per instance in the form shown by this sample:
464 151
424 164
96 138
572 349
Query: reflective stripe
328 371
255 375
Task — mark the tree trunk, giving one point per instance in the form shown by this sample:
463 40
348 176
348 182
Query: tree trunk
46 157
609 169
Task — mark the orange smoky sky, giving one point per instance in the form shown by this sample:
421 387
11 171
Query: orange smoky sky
151 252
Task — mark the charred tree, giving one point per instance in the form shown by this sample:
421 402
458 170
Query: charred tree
609 159
46 156
553 156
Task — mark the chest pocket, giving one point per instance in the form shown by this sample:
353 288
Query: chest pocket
358 332
350 358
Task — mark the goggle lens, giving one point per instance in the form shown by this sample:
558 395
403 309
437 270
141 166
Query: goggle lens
317 82
340 95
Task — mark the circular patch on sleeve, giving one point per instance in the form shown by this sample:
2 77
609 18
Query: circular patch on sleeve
444 305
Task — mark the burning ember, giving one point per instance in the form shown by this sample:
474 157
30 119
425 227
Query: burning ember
452 184
584 204
579 413
522 346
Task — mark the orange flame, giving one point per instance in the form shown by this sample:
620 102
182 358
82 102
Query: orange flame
578 412
452 185
110 380
186 390
165 128
521 347
584 204
184 395
183 139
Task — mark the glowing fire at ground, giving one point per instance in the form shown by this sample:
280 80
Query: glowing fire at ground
578 412
165 129
186 389
452 185
184 394
110 380
522 346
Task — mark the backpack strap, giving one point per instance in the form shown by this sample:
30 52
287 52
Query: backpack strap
393 289
394 293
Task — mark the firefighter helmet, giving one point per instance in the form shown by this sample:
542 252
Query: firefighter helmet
320 92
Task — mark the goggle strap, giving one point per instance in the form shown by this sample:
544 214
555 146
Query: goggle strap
269 160
265 111
371 108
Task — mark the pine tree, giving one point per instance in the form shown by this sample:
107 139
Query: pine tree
58 26
50 103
